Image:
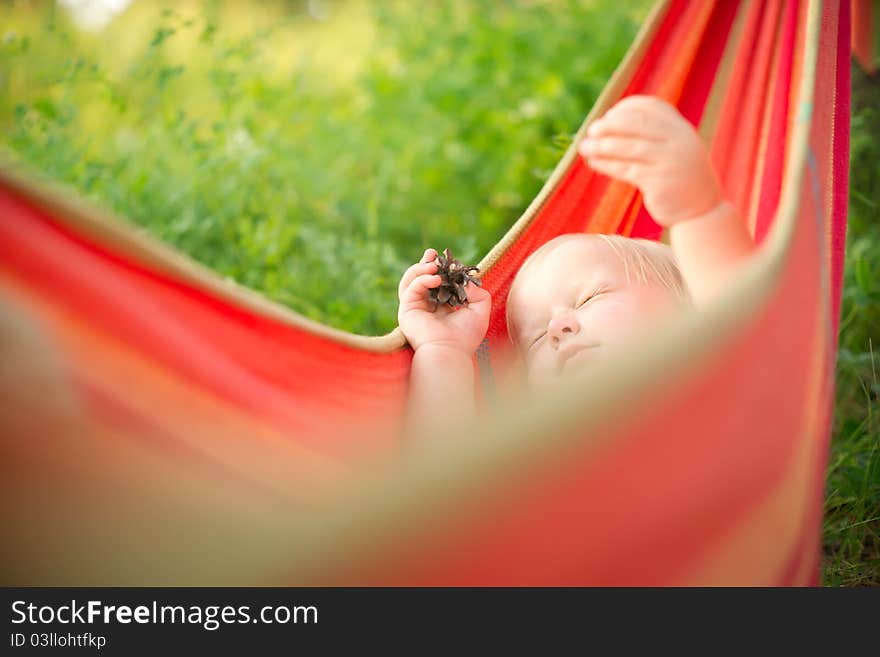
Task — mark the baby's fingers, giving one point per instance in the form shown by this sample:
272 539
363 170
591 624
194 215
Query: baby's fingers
417 290
619 148
637 116
627 171
418 269
477 294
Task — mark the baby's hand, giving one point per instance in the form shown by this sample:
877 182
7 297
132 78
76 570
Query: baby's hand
644 141
462 328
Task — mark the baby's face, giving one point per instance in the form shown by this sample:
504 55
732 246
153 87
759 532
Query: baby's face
575 300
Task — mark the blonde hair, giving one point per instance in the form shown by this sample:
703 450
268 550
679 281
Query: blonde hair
643 260
647 261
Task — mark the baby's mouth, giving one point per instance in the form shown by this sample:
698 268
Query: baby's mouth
569 352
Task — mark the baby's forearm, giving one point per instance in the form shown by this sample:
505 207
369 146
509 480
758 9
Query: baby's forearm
441 388
709 248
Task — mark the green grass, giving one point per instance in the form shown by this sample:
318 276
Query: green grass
852 500
314 161
434 136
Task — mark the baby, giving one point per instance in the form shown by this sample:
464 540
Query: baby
580 292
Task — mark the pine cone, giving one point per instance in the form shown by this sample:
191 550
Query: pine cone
454 276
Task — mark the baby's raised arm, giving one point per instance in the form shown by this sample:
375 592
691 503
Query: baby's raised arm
444 341
646 142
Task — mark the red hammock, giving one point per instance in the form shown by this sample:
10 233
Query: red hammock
162 426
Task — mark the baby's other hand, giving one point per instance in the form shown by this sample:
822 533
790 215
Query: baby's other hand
461 328
646 142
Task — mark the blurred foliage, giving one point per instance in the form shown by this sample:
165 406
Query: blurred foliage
316 180
852 500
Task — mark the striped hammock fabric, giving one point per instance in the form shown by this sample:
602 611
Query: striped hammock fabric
163 426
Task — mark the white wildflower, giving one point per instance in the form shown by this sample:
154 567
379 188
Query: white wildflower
94 15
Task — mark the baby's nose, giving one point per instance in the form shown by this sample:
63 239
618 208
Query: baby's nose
561 326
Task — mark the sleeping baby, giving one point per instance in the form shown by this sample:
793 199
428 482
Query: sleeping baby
580 293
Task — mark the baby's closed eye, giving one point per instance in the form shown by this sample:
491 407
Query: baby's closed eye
589 296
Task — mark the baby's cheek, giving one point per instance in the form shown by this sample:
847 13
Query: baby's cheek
611 319
540 368
617 318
